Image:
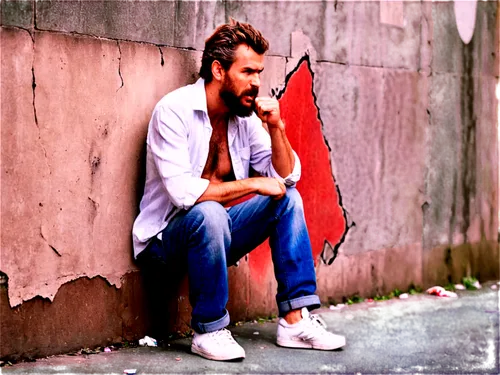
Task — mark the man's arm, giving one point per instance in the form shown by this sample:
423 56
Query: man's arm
282 155
282 158
169 149
226 192
167 140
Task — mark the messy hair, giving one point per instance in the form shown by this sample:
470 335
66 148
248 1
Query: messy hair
222 45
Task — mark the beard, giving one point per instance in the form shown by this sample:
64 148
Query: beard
234 101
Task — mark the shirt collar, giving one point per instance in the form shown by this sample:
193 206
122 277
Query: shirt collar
200 101
200 96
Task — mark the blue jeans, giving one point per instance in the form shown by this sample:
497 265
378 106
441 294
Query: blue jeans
210 238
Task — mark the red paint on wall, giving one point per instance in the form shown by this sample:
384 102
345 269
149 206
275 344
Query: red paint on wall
324 213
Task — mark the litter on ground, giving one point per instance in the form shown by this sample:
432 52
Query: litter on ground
476 285
148 341
439 291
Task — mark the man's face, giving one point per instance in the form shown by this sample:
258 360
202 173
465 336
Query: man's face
241 82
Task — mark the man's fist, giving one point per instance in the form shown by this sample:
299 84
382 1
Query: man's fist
270 187
268 110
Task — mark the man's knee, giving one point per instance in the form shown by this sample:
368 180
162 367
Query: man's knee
211 231
211 215
293 199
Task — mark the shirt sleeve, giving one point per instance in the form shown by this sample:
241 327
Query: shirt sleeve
168 142
260 159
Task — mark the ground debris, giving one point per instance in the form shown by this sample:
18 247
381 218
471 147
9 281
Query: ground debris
89 351
439 291
148 341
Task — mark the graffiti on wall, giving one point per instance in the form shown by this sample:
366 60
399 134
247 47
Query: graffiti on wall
326 218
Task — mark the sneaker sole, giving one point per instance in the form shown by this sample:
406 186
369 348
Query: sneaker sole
308 345
196 350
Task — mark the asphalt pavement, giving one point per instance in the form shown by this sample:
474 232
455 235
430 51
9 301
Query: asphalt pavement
420 335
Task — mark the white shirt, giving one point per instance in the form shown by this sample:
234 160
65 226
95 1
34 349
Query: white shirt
177 149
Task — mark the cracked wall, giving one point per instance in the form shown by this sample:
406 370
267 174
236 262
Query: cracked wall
71 162
407 124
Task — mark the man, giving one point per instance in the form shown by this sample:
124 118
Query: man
202 141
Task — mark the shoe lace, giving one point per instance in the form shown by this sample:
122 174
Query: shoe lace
223 336
317 325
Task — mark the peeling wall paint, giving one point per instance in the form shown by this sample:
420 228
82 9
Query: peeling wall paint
71 162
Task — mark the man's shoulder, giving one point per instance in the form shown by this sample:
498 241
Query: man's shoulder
177 99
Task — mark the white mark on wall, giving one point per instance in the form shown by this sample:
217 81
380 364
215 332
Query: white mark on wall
392 13
300 45
465 17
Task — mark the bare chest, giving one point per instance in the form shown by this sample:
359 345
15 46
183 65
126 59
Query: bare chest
218 167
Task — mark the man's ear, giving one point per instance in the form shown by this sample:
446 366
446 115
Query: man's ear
218 71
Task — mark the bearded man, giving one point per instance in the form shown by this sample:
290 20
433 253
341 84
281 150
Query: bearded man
202 141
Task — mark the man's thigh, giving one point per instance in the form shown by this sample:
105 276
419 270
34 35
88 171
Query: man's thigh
252 223
198 226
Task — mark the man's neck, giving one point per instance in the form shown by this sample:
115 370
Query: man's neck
217 109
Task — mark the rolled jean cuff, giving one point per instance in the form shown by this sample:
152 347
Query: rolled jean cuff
211 326
311 302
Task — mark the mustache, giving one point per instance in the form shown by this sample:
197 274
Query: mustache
254 91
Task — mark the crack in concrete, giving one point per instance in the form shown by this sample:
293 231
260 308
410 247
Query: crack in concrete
33 87
52 247
29 31
55 250
96 205
162 61
402 68
120 65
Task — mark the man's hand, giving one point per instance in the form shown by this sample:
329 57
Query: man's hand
270 187
268 110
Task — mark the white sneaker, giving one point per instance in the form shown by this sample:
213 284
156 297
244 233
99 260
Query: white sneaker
310 332
217 345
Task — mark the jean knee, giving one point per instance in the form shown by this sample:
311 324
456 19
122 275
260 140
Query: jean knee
211 215
294 199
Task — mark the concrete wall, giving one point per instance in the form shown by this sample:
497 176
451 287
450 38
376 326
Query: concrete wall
393 115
